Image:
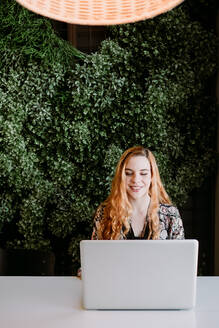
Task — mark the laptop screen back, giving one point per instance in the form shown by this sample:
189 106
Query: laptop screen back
139 274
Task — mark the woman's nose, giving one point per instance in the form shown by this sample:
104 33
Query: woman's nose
136 178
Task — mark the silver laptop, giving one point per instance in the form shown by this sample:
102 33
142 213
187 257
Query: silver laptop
139 274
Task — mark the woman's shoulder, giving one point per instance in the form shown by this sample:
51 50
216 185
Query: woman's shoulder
171 222
168 213
98 215
168 209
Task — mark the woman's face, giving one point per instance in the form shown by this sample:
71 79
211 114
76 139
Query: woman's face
137 177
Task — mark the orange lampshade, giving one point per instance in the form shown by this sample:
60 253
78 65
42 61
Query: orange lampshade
99 12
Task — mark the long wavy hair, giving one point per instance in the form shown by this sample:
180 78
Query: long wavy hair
117 208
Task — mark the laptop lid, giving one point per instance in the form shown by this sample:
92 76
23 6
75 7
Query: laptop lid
139 274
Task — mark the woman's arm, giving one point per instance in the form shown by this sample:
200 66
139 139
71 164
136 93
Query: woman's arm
176 229
170 223
96 229
98 216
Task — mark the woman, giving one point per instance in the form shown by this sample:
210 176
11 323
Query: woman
138 206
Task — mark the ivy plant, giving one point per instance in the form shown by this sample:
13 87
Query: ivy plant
66 117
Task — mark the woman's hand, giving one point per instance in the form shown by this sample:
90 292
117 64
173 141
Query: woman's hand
79 276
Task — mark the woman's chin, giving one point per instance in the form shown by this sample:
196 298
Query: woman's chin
136 195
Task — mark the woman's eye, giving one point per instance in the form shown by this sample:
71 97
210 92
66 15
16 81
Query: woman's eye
143 173
128 173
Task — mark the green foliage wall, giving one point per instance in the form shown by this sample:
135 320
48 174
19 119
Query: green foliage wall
66 117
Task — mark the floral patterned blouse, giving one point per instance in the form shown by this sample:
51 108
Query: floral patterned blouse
171 226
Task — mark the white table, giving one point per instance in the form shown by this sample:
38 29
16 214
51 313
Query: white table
55 302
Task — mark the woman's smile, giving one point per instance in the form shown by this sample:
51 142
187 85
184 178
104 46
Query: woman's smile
136 188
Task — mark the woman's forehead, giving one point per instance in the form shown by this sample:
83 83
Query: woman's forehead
137 162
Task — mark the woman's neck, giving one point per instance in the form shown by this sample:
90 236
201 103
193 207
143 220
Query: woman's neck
140 205
139 214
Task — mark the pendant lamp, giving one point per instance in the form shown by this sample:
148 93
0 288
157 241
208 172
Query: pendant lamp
99 12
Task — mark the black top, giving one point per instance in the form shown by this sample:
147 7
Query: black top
131 234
